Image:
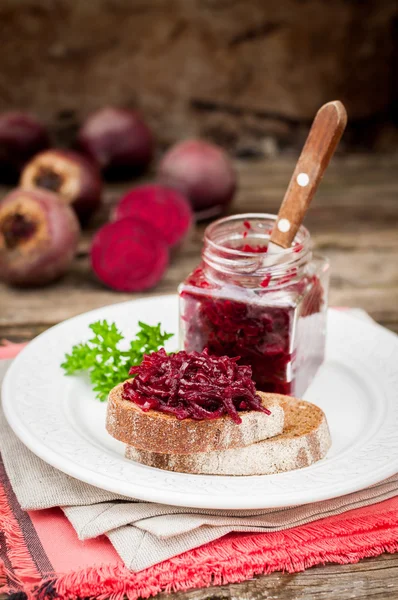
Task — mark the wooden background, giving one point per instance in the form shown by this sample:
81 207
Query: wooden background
249 74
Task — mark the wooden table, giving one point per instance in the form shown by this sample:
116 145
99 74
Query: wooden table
354 221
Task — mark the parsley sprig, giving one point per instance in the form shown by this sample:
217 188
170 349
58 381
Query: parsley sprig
101 356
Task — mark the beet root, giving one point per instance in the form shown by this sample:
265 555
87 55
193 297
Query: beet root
167 210
68 174
119 141
39 235
202 172
129 255
21 137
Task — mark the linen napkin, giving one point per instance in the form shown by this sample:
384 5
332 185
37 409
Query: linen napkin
144 533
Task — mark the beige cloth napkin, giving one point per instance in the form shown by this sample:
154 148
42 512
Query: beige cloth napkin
146 533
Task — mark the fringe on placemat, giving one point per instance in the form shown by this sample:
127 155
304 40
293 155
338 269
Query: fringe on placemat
9 583
24 571
118 583
236 558
233 559
3 578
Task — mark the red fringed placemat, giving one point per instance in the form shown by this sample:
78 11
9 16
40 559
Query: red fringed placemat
41 555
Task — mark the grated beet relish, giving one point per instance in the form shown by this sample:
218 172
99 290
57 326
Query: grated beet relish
193 385
249 248
260 335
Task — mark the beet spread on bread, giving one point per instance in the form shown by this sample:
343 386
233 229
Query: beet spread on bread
197 413
188 403
196 386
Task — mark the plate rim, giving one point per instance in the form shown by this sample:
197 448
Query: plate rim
177 498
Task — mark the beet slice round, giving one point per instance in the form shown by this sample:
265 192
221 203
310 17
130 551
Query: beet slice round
164 208
129 255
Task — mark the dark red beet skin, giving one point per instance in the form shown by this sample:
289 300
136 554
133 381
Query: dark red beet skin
129 255
39 235
70 175
195 386
21 137
201 171
119 141
165 209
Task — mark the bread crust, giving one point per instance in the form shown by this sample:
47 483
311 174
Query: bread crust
305 440
158 432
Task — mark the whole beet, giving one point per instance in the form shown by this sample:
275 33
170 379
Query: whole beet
202 172
21 137
70 175
39 235
119 141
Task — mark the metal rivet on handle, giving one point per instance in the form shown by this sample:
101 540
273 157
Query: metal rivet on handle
303 179
284 225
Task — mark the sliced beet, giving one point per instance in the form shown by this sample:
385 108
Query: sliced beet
129 255
164 208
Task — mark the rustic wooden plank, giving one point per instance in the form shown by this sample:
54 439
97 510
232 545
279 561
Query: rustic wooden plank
363 265
365 285
220 69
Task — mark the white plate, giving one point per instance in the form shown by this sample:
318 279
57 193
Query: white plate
59 419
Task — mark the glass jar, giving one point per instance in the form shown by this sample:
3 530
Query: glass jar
267 309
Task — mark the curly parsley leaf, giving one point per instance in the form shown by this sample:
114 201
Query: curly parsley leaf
105 362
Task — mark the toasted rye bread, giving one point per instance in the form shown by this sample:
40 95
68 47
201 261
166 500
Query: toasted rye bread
154 431
305 440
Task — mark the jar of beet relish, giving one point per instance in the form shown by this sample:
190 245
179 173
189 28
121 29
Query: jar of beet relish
267 309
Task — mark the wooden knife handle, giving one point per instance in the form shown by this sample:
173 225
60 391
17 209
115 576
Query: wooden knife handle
322 140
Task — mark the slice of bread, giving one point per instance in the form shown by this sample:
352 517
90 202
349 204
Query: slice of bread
305 440
154 431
